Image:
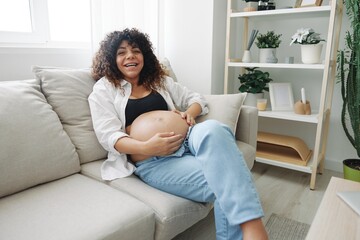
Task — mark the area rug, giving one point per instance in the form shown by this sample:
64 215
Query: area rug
282 228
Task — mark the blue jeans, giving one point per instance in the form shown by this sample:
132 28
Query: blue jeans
208 168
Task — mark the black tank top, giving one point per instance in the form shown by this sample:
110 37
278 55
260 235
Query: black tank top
136 107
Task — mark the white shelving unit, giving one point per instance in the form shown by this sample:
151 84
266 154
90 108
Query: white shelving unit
319 117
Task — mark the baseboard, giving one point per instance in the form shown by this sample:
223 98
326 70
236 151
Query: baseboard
333 165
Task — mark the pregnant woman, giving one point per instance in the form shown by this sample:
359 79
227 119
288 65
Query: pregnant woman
136 121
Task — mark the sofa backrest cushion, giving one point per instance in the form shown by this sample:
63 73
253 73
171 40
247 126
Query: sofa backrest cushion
67 91
168 68
34 148
224 108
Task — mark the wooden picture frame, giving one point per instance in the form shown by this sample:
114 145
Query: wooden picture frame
308 3
281 97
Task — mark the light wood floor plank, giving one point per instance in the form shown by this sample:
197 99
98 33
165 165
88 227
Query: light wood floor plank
287 192
282 191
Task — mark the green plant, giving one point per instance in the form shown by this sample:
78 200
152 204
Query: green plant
306 36
254 81
268 40
349 74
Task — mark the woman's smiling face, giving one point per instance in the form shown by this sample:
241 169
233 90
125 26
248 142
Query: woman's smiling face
130 61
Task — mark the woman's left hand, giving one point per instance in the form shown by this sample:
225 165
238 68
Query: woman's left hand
186 116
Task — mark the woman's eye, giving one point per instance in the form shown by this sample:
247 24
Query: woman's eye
120 53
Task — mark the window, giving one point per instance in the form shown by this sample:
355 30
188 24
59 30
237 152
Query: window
15 16
69 20
52 23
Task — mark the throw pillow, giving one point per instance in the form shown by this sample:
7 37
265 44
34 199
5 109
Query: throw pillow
33 144
169 71
224 108
67 91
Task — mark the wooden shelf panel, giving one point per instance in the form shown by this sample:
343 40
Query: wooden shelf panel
282 148
305 10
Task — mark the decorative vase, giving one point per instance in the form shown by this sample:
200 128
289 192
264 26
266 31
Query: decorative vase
267 55
352 169
246 57
311 53
251 99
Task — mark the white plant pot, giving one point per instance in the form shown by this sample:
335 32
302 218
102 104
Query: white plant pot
267 55
251 99
246 57
311 53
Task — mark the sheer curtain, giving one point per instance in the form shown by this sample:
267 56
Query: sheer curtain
111 15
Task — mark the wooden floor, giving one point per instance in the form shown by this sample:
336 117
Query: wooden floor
282 191
287 192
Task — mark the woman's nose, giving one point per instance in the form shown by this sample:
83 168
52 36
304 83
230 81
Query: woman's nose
130 55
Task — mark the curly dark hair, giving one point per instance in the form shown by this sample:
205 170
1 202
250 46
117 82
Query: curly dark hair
104 61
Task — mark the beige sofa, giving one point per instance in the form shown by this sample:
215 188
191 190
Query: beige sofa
50 185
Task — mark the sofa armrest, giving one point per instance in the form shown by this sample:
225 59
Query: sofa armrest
247 125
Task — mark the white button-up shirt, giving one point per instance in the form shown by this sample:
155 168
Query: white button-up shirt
107 105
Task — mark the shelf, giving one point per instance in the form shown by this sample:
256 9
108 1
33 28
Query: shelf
306 169
286 115
305 10
234 63
281 154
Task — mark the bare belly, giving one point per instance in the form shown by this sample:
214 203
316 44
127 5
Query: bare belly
148 124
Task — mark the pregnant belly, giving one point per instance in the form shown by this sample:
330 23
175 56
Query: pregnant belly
148 124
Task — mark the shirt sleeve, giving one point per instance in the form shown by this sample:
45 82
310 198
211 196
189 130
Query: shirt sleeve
184 97
107 125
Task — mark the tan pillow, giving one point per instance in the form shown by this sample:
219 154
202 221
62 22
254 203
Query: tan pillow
224 108
67 90
169 71
34 148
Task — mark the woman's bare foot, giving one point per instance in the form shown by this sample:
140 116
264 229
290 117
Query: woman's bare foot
254 230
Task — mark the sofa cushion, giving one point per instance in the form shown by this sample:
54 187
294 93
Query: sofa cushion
224 108
67 90
75 207
33 145
168 69
173 214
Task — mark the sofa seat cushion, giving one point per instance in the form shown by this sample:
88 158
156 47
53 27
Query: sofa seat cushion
76 207
33 144
173 214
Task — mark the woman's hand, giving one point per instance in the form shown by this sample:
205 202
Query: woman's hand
162 144
186 116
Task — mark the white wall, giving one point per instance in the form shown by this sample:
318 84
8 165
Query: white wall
193 40
15 63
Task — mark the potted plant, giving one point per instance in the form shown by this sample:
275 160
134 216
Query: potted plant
267 43
254 82
349 74
310 47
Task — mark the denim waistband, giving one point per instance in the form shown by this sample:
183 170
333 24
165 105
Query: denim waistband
180 152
